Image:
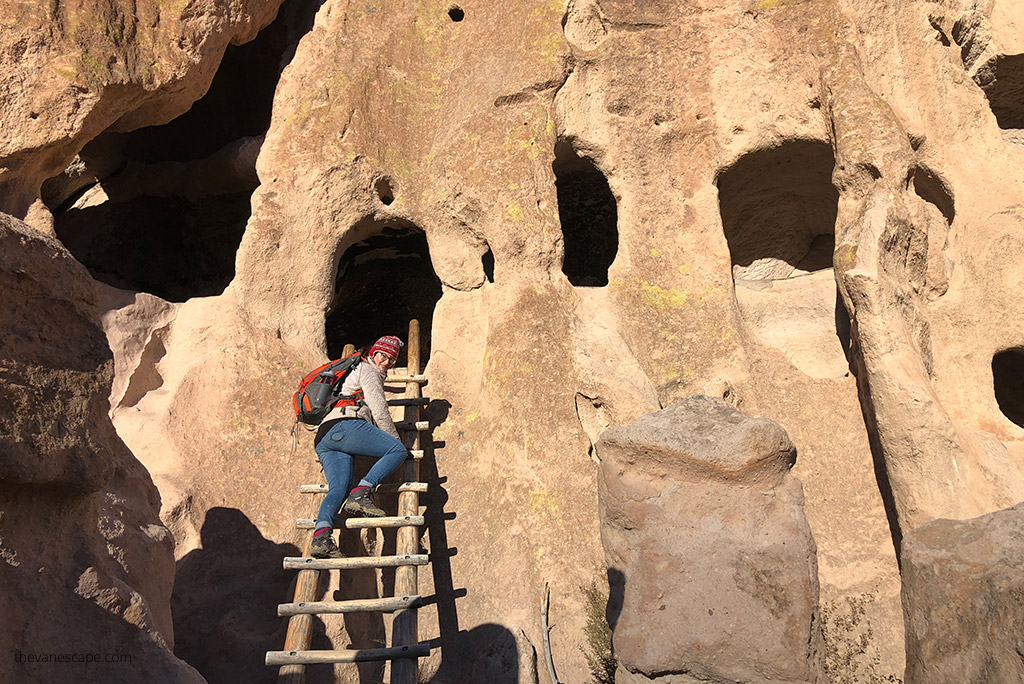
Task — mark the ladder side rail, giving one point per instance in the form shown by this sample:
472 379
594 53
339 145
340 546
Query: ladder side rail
404 631
300 627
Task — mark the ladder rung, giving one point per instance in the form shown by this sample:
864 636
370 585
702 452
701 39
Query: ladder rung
361 656
412 401
302 563
416 455
420 425
365 523
419 487
421 379
381 605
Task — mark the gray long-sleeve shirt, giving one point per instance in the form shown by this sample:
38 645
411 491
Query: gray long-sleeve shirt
370 379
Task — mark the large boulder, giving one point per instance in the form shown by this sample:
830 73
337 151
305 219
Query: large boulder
710 559
87 566
963 599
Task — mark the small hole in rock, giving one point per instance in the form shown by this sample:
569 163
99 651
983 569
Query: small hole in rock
488 263
456 14
930 188
384 191
1008 383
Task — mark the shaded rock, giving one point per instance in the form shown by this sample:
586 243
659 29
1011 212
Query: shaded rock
77 71
711 561
222 637
87 567
963 599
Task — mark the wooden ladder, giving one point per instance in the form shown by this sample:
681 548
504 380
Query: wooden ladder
405 647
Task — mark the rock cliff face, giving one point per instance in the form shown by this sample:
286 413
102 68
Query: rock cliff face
87 566
600 207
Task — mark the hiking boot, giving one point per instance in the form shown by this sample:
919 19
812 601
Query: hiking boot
359 502
323 546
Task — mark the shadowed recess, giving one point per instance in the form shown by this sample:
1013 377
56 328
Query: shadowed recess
382 282
1002 79
1008 383
487 262
385 193
162 209
932 189
168 246
240 97
589 218
779 211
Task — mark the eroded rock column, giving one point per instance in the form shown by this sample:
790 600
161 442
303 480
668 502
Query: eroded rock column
711 562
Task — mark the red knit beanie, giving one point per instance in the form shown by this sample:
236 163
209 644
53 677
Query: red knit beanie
388 345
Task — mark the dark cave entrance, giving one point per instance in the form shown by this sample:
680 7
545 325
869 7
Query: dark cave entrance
778 208
779 211
1002 79
382 282
1008 383
589 218
162 209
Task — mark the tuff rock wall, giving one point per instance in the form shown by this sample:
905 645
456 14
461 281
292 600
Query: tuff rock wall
817 215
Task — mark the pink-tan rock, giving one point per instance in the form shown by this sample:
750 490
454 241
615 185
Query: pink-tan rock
962 599
87 567
759 157
710 559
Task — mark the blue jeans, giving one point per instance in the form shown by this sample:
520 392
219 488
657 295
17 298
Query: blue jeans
348 438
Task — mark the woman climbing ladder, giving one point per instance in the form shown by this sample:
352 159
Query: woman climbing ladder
364 428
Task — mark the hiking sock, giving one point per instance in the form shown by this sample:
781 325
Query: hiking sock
317 533
363 484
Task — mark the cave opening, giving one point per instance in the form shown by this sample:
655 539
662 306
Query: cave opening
778 209
589 216
1002 79
1008 383
382 281
162 209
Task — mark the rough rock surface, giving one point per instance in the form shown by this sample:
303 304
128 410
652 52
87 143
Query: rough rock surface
87 567
739 144
76 69
710 558
963 599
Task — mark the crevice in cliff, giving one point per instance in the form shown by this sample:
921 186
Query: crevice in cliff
778 210
382 281
929 187
162 209
589 216
487 263
1008 383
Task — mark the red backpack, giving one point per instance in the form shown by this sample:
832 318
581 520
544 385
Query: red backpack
320 390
